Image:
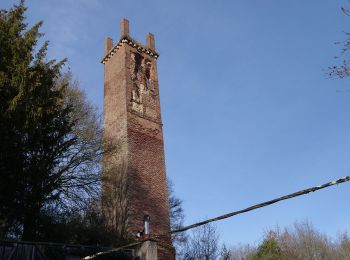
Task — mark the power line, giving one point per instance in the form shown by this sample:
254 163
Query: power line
264 204
231 214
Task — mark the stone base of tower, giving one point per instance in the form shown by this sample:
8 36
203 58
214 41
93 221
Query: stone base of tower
153 250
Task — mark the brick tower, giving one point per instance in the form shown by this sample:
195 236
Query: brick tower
134 180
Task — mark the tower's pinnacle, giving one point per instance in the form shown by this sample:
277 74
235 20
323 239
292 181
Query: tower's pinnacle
125 38
124 28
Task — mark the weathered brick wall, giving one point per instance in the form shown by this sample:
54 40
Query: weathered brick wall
132 123
115 138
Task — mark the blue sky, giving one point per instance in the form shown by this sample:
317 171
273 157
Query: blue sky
248 112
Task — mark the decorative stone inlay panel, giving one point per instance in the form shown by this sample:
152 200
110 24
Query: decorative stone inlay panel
143 93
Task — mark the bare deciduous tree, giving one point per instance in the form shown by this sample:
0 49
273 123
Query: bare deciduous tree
177 217
225 253
342 70
77 175
202 244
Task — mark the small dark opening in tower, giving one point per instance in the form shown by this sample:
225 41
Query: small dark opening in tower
148 69
138 62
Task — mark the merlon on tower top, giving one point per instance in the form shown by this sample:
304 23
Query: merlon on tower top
125 38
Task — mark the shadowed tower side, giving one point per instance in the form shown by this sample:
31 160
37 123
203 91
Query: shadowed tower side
134 179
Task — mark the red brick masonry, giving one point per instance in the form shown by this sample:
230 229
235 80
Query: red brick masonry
132 121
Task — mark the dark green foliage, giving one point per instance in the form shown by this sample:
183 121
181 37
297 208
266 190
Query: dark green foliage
50 143
269 249
33 122
81 226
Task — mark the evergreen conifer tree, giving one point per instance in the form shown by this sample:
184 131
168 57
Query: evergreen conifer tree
49 135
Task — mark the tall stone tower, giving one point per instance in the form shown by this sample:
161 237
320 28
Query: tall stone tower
134 180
